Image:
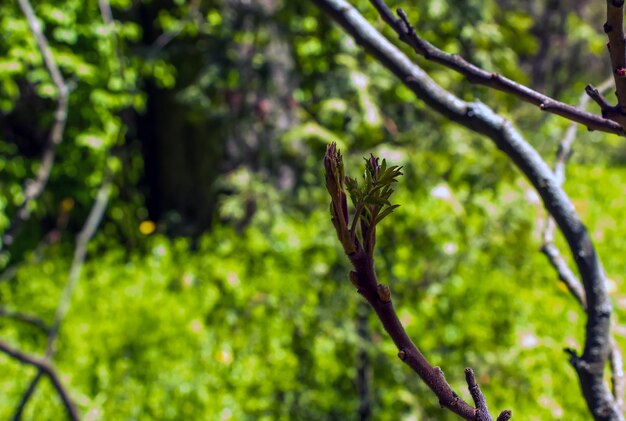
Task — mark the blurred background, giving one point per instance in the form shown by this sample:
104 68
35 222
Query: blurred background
213 287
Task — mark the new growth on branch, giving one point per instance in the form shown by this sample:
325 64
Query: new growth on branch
357 234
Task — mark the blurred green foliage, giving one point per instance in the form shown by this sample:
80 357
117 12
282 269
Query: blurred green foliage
254 319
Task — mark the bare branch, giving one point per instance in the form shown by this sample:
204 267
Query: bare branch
475 74
379 297
614 28
482 412
80 252
556 259
21 407
46 368
34 188
25 318
481 119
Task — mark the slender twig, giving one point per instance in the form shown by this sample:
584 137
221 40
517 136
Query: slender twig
33 188
482 412
21 407
24 318
475 74
481 119
45 368
80 252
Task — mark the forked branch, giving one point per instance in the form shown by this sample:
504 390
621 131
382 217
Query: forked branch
481 119
80 253
45 368
475 74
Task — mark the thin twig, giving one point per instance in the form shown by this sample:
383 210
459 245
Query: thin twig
25 318
481 119
80 252
33 188
475 74
45 368
482 412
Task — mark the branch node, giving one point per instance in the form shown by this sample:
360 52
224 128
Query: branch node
402 354
607 28
384 294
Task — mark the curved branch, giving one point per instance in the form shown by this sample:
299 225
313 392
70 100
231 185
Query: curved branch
481 119
44 367
33 188
553 254
80 253
25 318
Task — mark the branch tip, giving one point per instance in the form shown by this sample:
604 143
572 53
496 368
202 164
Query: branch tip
505 415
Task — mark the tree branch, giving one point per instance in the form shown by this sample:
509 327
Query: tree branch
481 119
46 368
614 28
373 197
475 74
566 275
33 188
80 252
379 298
25 318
